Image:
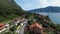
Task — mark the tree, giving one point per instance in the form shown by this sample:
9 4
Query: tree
13 28
15 33
26 32
30 22
8 33
58 28
51 32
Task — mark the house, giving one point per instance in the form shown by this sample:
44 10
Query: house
36 28
21 19
45 19
44 16
14 21
17 21
2 26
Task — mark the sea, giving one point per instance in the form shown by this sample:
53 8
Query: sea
55 17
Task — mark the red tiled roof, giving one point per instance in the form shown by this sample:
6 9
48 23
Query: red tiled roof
36 25
2 26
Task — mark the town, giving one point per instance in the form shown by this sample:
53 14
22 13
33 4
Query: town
23 25
15 25
18 25
16 18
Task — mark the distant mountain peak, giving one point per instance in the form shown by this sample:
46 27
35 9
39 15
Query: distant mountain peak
49 9
52 7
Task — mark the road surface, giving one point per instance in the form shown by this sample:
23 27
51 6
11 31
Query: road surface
21 31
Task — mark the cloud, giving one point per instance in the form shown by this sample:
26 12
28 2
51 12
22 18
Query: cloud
43 3
55 3
46 3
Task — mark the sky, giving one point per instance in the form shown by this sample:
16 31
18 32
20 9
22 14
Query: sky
33 4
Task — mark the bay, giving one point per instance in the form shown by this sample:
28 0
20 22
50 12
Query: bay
55 17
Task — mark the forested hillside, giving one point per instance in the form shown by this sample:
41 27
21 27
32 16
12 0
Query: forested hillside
9 9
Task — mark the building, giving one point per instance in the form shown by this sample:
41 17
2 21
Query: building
17 21
14 21
3 27
45 19
36 28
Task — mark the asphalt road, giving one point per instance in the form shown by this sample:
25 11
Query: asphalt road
21 31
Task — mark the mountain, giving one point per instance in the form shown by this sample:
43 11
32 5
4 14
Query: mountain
9 9
49 9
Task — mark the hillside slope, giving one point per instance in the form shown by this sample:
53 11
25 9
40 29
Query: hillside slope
9 9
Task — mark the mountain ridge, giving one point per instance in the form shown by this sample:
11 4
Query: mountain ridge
49 9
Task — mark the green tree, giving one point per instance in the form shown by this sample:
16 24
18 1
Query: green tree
8 33
51 32
58 27
26 32
13 28
30 22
